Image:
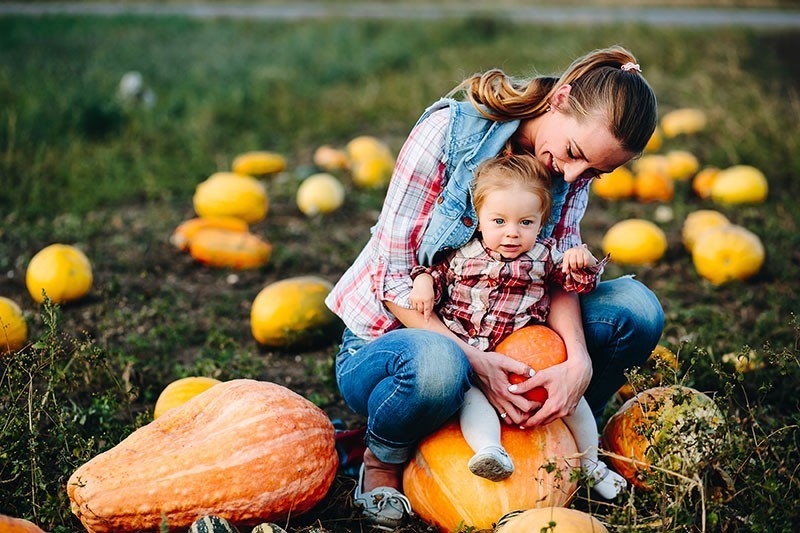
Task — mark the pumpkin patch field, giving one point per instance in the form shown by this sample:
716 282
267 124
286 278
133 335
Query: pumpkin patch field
178 195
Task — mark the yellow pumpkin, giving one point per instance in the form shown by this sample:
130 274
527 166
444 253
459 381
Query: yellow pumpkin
62 271
224 248
615 185
740 184
655 142
555 519
258 163
319 194
727 253
182 237
292 312
13 328
674 428
653 186
650 163
443 491
372 173
232 195
698 222
635 242
704 181
244 450
681 165
181 391
684 121
330 159
366 147
9 524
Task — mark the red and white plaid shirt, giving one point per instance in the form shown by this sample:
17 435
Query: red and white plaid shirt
482 297
382 270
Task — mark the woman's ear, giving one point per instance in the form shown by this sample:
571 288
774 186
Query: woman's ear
560 98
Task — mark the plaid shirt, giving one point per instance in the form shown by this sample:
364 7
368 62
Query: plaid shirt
482 297
382 270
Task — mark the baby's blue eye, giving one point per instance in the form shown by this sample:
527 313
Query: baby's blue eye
498 221
527 222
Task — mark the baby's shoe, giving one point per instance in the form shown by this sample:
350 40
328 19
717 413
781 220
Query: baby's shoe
607 483
492 463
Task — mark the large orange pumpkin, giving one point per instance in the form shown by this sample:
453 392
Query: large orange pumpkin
673 428
247 451
443 491
539 347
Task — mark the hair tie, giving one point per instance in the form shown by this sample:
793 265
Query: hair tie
631 66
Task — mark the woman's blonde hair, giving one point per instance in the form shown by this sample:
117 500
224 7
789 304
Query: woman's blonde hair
509 169
599 85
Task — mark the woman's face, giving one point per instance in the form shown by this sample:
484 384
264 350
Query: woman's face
570 147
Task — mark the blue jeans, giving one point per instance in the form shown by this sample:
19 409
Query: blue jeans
408 382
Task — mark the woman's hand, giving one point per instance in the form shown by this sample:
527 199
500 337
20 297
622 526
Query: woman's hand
565 384
492 370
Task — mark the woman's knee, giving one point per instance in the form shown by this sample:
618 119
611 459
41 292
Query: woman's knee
441 369
628 309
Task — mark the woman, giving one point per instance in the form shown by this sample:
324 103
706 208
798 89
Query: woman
408 375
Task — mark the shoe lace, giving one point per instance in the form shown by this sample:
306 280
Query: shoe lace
395 499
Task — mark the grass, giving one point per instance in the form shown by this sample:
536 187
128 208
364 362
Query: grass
78 165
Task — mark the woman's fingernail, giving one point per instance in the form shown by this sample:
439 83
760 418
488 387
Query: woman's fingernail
532 373
512 388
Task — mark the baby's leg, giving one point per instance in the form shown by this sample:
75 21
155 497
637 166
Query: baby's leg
584 428
481 429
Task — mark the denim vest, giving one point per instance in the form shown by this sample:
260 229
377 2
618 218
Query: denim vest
471 138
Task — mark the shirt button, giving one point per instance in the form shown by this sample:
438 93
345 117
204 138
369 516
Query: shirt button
467 222
440 200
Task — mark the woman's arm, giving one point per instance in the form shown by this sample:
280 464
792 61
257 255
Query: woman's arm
565 382
491 368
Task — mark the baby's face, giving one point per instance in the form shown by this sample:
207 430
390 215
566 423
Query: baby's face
509 221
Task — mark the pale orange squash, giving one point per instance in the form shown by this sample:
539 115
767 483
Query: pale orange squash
182 237
9 524
537 346
443 491
247 451
673 428
229 249
555 519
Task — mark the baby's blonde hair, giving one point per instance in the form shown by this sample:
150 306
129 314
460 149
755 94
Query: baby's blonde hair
509 169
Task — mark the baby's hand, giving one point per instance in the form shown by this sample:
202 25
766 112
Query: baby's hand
577 258
422 295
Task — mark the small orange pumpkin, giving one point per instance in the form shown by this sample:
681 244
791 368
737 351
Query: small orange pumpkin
653 186
670 427
443 491
229 249
537 346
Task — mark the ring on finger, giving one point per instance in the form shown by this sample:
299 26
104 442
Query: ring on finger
503 415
